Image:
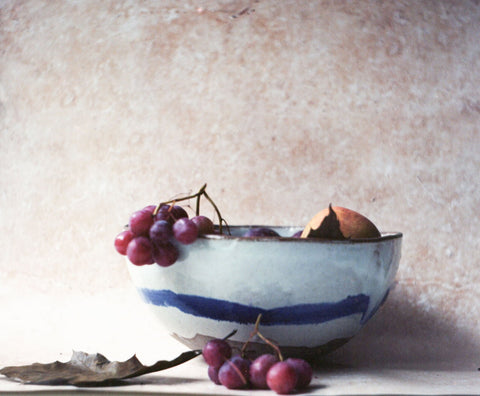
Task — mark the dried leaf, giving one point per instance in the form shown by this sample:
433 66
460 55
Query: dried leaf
89 370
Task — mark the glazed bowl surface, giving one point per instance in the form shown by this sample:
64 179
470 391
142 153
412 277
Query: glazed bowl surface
313 295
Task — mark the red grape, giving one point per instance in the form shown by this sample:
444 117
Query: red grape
165 255
204 225
150 208
259 369
177 212
234 373
160 232
185 231
122 240
216 352
140 250
163 213
171 213
304 371
282 378
140 222
213 374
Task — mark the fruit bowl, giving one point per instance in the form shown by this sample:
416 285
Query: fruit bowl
313 294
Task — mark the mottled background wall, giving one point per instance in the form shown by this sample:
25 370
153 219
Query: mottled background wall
281 107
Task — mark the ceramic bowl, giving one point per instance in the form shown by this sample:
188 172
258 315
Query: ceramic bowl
313 294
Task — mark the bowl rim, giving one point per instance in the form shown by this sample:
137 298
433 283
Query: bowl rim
384 236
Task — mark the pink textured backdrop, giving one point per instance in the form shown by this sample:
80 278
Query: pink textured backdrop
281 107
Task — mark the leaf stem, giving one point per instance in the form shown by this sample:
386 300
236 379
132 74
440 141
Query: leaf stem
232 333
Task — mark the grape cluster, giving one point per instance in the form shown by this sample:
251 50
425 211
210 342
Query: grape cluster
267 371
151 234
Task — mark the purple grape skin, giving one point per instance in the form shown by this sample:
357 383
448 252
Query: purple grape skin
178 212
140 251
171 214
185 231
259 369
213 375
150 208
140 222
216 352
160 232
282 378
163 213
260 232
234 373
165 255
298 234
304 371
204 225
122 240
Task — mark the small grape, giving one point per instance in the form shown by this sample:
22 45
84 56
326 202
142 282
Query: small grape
185 231
304 371
234 373
122 240
171 213
213 375
216 352
259 369
204 225
140 251
165 255
163 213
282 378
178 212
150 208
140 222
260 232
160 232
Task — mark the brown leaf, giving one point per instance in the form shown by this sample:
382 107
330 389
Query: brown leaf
89 370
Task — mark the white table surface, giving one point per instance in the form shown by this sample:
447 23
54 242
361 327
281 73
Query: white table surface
44 327
191 379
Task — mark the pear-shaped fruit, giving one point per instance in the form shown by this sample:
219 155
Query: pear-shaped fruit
340 223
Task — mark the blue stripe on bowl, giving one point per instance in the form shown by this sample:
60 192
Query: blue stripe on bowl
366 318
224 310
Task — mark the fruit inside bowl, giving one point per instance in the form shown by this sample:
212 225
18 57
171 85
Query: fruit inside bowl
313 293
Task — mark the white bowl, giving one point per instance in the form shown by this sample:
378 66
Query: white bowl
313 294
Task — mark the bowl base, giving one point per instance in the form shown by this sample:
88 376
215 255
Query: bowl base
255 349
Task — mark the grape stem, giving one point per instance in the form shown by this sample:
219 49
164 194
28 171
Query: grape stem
256 332
197 195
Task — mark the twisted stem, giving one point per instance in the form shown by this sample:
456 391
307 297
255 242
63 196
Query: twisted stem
257 332
198 196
